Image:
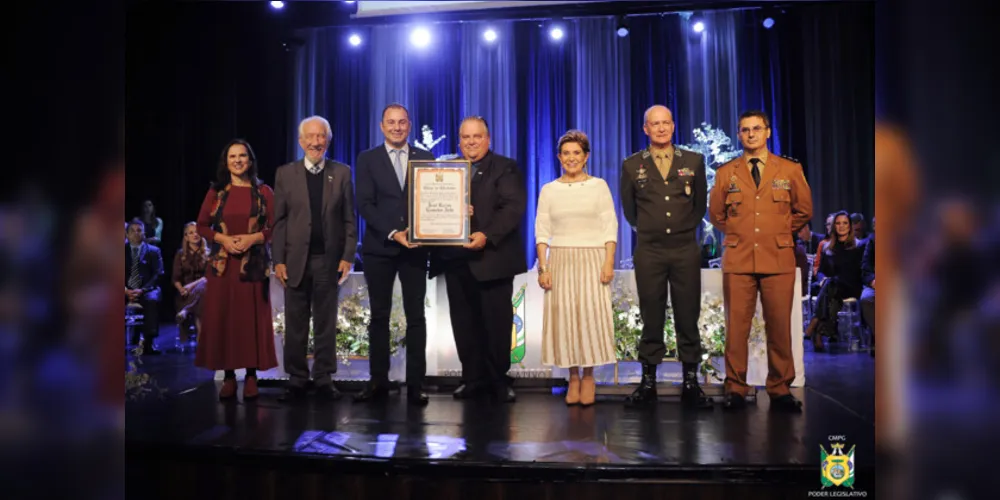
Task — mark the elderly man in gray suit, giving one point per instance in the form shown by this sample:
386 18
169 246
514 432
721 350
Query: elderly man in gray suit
313 249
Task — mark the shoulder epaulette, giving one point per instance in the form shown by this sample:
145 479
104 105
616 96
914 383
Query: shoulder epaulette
637 154
789 158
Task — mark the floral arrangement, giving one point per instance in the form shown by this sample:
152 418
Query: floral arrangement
353 317
711 326
138 384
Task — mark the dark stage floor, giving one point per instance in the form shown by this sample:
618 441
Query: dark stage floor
538 438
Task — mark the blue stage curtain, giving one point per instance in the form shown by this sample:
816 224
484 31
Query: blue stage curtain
334 84
532 89
489 84
542 114
601 69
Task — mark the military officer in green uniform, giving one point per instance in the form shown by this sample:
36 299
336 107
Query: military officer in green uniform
664 194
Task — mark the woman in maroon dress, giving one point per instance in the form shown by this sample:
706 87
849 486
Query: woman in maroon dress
237 216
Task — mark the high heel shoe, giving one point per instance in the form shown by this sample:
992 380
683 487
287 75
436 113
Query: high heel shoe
573 392
588 389
250 390
228 390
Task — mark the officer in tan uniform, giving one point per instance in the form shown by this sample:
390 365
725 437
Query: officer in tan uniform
759 201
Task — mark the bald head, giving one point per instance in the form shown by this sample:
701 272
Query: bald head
659 126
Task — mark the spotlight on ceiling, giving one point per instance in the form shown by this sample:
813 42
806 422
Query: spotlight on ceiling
277 5
420 37
489 35
768 22
622 30
355 39
556 33
698 26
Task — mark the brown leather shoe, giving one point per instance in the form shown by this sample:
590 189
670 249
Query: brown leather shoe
573 392
250 388
588 390
228 390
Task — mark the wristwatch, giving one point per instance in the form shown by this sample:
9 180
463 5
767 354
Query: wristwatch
543 269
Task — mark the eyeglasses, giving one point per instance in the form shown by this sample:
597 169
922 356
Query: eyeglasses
758 129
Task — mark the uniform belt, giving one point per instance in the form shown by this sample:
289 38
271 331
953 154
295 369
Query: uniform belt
674 239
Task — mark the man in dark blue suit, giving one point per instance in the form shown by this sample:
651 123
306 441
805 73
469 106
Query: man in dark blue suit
381 194
143 268
480 276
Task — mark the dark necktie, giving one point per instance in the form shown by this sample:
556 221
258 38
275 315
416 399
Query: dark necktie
133 278
755 172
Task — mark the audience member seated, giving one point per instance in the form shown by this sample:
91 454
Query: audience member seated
839 277
810 241
819 252
868 278
143 268
860 231
188 277
153 224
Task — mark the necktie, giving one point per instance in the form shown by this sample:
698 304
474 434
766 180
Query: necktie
398 165
133 275
755 172
662 166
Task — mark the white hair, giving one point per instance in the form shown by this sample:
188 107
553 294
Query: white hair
316 118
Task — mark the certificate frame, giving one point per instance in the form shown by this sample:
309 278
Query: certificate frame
422 175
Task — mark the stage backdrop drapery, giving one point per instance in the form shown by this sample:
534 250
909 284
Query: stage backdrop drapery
531 90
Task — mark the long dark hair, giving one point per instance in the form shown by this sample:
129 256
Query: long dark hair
222 175
835 245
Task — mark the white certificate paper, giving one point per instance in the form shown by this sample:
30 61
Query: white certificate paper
440 206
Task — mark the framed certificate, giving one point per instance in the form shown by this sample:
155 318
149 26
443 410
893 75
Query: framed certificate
439 198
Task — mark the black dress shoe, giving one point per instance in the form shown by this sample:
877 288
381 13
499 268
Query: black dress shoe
505 394
292 393
734 402
786 403
466 391
374 391
415 395
328 392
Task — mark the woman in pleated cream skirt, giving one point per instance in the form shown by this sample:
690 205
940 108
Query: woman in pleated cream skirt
576 231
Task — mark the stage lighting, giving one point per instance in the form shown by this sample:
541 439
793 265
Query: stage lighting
355 40
489 35
622 30
698 26
556 33
420 37
277 5
768 22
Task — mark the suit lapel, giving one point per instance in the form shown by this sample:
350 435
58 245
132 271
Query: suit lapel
406 168
299 183
679 162
743 173
328 185
770 170
484 169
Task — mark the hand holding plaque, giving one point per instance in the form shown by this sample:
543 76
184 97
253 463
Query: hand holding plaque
439 207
